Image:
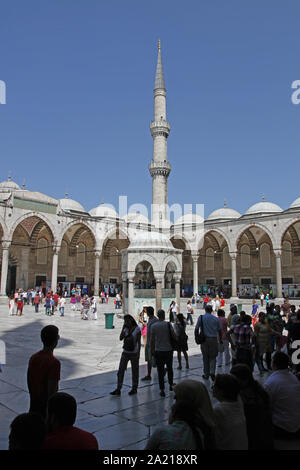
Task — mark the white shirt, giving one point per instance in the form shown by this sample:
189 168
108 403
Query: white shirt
284 391
231 422
174 308
62 301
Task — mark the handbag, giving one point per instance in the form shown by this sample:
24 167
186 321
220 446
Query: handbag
200 337
173 340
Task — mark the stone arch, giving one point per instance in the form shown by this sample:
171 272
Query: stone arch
144 274
245 256
217 230
265 255
111 235
179 236
140 257
294 237
171 259
258 225
38 215
85 226
286 254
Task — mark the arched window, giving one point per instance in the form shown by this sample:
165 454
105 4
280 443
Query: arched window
210 259
41 255
245 256
265 255
286 253
226 258
63 254
80 259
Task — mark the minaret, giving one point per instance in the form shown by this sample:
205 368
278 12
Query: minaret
159 167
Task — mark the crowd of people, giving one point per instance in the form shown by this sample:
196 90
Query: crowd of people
243 414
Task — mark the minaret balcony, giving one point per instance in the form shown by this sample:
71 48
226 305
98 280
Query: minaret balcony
160 128
160 168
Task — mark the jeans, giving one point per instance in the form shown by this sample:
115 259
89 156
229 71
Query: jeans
62 310
134 359
164 358
209 351
225 351
189 317
36 307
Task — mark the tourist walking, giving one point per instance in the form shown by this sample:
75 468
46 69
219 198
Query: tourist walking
224 347
131 337
61 303
47 305
85 308
73 302
36 301
162 334
20 305
142 320
262 296
243 342
148 353
11 305
190 313
43 372
211 330
173 310
262 331
182 339
93 309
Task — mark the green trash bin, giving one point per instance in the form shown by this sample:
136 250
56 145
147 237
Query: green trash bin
109 321
240 308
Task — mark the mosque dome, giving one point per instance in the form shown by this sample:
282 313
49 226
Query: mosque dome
225 213
189 219
150 240
67 204
136 218
263 207
8 186
104 211
296 203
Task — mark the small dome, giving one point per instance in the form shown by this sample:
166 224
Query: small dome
104 211
8 186
150 240
224 213
135 218
189 219
264 207
69 204
296 203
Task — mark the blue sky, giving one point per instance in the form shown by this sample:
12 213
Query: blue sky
80 77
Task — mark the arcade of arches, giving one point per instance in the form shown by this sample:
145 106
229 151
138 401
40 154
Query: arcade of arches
33 259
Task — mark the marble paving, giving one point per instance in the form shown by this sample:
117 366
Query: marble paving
89 356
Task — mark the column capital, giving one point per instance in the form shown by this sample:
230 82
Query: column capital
6 244
55 249
159 276
130 277
195 256
98 253
277 252
177 278
233 256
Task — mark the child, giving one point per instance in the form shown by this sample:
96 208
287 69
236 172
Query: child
19 306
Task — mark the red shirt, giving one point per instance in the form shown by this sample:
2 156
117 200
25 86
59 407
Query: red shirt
70 438
55 298
42 367
222 302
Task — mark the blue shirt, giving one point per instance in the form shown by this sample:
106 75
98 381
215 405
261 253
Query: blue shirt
211 325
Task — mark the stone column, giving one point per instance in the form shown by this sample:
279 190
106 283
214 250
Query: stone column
177 290
4 269
54 268
278 274
97 273
159 279
124 293
195 273
233 275
130 303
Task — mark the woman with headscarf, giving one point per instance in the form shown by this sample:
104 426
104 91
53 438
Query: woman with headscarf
191 421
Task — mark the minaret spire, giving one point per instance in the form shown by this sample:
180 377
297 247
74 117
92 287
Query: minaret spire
159 167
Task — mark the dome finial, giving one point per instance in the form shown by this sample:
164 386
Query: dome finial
9 176
66 194
24 184
225 203
263 198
